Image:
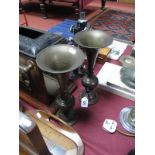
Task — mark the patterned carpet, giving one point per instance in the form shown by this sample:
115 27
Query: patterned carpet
120 25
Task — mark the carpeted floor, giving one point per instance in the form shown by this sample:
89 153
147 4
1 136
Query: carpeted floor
121 25
118 23
58 14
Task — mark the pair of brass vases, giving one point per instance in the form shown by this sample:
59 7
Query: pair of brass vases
62 58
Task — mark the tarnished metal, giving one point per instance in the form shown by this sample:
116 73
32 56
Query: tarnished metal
128 76
128 70
127 60
23 69
60 60
90 41
93 39
127 119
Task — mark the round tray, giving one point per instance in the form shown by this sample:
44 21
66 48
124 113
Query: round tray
124 114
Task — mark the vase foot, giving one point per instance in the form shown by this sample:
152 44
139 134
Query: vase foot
91 96
69 117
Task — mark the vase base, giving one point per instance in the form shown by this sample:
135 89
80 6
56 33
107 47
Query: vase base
70 117
91 96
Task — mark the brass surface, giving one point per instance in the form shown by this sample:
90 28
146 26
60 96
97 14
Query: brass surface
128 76
60 58
127 119
93 39
127 60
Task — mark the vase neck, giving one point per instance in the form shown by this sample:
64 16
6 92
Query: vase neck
91 58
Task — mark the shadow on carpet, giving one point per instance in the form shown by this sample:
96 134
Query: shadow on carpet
120 25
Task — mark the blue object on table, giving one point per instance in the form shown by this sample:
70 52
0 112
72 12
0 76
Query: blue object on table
64 28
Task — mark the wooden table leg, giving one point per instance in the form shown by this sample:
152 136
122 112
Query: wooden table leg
103 4
76 5
21 11
43 9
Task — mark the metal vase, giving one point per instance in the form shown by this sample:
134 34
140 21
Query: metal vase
90 41
60 60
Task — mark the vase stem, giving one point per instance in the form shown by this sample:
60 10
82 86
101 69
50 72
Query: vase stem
62 80
91 57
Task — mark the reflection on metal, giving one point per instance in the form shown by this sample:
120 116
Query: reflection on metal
128 76
60 60
90 41
127 60
128 71
127 119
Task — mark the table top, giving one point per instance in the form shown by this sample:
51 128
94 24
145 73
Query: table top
89 126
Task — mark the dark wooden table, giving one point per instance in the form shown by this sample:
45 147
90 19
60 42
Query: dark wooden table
76 5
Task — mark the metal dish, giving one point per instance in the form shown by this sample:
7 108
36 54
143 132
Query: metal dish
128 76
127 119
127 60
